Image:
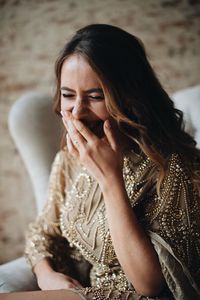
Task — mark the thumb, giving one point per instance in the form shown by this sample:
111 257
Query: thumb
110 135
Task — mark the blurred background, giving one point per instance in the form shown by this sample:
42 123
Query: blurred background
31 35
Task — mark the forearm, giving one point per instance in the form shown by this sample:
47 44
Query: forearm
132 246
61 294
43 267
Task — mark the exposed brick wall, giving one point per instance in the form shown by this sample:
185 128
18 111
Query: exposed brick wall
31 35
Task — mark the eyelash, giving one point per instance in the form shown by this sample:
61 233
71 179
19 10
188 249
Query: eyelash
96 98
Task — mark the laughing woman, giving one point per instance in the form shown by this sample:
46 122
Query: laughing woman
122 216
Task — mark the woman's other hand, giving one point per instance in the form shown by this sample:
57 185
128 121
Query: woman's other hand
56 281
48 279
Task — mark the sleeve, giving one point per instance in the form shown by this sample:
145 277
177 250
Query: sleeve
44 237
46 226
175 231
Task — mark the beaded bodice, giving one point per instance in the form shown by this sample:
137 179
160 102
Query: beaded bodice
76 211
83 222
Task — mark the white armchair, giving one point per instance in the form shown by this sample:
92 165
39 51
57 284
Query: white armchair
188 100
36 132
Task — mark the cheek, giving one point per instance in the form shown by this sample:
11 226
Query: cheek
64 105
100 110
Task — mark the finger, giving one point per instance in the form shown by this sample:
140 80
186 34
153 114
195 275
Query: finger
74 282
71 147
110 135
70 285
65 124
76 138
88 135
77 283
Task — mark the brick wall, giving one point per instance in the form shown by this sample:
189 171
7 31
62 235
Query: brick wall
31 35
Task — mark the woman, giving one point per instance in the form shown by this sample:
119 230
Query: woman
122 216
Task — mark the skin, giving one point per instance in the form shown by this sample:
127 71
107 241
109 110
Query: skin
87 106
99 150
48 279
41 295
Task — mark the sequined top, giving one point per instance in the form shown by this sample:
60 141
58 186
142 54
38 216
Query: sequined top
72 230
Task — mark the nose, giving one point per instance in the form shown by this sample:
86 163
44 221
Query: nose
79 109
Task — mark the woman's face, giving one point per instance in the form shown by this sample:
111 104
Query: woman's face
82 94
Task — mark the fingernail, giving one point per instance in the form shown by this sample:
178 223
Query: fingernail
61 113
108 124
67 114
64 120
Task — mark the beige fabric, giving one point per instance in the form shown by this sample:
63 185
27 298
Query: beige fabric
188 100
20 279
177 275
36 132
75 218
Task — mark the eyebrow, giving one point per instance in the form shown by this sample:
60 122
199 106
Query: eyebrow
93 90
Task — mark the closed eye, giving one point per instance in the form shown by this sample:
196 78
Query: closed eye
67 96
92 97
97 97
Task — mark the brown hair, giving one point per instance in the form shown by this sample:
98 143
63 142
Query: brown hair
135 98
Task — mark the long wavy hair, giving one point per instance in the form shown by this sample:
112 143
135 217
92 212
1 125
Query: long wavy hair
134 96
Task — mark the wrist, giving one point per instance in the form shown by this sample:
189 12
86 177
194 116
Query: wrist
112 184
43 268
44 276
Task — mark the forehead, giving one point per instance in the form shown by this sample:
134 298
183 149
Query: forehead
76 71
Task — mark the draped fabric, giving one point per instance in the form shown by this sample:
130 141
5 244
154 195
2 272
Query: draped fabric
73 232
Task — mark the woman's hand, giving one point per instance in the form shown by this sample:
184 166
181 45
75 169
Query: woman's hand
101 157
56 281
